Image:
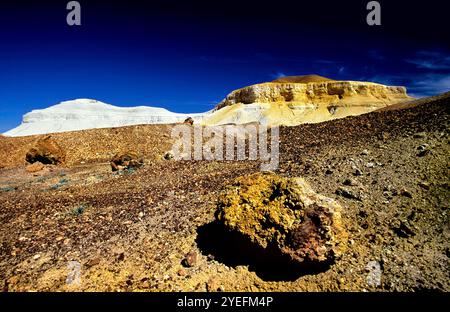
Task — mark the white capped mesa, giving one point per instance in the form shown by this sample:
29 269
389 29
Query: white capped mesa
83 114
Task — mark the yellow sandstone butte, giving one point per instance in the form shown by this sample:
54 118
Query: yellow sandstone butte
303 99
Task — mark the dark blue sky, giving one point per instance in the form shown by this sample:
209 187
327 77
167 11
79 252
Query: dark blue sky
187 55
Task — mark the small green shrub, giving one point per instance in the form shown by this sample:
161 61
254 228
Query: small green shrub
7 189
78 211
129 170
61 182
40 179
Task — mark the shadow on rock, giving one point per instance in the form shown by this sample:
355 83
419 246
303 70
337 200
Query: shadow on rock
233 249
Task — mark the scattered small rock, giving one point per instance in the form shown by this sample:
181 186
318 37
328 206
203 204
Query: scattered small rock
412 216
406 193
362 214
388 195
120 256
181 272
347 194
74 273
350 182
357 172
365 152
168 155
424 185
129 280
35 167
332 109
190 259
423 150
374 276
402 229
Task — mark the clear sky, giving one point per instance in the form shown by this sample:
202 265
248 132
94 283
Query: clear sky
187 55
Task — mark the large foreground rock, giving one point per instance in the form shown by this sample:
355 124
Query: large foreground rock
285 215
47 151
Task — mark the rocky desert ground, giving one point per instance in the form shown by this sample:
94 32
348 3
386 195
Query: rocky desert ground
77 225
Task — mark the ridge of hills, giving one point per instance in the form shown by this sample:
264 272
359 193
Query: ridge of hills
286 101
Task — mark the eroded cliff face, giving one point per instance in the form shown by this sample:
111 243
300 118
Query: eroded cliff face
288 103
339 93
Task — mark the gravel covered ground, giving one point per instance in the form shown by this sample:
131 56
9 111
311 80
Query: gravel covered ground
82 227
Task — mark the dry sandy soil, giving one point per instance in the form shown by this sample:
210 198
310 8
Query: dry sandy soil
131 231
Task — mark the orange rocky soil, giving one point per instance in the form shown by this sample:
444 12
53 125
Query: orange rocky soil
153 228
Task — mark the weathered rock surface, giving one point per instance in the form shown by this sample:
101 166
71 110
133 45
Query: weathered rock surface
126 160
303 99
34 167
47 151
285 214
